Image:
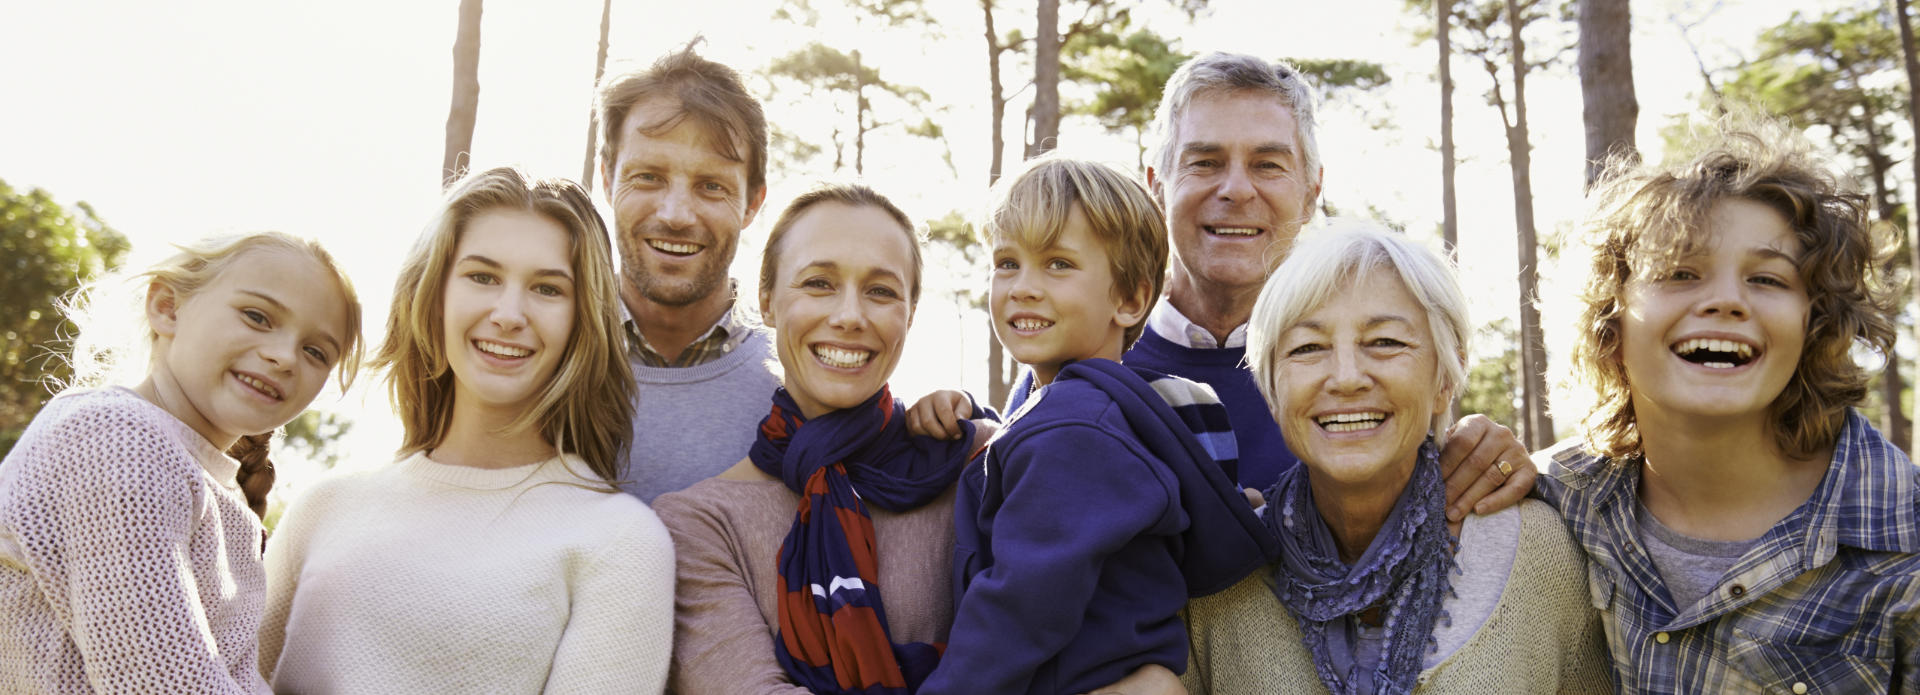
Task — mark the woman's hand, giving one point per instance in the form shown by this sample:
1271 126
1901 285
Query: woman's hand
938 414
1151 679
1471 458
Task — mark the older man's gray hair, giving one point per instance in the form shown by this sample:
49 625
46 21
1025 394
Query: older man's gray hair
1233 72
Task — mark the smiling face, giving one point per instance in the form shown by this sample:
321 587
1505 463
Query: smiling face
1361 382
678 207
508 309
1238 192
839 303
1719 334
248 351
1056 305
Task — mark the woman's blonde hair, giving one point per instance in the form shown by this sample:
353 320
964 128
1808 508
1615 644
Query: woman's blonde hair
1645 218
587 408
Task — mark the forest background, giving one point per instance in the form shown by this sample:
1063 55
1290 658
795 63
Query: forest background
341 120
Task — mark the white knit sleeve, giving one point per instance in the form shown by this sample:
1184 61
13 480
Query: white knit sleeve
122 503
619 632
286 554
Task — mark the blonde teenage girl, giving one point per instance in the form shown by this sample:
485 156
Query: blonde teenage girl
129 557
496 556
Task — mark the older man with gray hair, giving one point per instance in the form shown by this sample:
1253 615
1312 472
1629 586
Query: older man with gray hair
1237 170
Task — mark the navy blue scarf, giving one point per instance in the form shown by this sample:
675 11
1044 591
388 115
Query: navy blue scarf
1404 573
833 625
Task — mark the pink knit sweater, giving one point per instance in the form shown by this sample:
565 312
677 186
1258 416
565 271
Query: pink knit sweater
129 561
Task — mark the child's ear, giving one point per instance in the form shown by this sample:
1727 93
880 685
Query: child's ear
163 307
1134 306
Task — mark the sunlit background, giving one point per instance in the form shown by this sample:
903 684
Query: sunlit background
326 119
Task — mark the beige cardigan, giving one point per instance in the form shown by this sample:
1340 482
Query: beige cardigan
1543 636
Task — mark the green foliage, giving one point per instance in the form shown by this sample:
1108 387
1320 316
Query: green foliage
46 252
1127 73
1493 382
818 67
314 434
956 232
1330 74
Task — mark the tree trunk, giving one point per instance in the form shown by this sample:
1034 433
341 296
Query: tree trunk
1046 80
1913 220
859 116
1606 81
1450 213
1533 353
1894 425
593 114
999 383
466 93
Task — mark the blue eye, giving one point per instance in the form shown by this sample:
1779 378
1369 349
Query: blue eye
255 316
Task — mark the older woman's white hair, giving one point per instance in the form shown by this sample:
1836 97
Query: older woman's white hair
1332 257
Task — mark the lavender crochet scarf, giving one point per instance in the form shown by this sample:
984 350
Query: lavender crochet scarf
1404 572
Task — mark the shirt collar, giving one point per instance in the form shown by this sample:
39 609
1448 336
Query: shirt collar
734 326
1167 322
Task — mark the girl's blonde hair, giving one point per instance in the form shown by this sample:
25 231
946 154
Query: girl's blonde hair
587 408
101 353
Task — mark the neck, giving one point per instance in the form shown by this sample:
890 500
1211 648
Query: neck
670 329
1217 309
478 437
160 389
1721 479
1354 513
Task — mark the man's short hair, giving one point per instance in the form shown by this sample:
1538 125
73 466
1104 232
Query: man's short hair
1644 218
1330 259
709 93
1232 72
1031 207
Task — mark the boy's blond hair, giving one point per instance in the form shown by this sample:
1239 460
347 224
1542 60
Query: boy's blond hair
1030 207
1645 218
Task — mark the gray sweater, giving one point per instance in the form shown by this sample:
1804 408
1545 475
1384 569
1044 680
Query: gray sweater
691 423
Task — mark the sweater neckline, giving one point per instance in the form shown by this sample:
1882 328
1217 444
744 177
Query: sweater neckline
1155 343
756 346
224 469
559 468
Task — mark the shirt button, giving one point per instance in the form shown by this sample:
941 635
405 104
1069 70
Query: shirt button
1738 591
1661 637
1799 689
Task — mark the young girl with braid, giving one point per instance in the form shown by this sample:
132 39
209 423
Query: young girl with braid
129 558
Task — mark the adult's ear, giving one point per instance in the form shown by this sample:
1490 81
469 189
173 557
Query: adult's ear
1155 187
754 202
163 309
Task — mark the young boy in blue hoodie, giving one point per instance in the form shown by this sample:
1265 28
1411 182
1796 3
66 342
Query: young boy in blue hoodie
1746 529
1103 504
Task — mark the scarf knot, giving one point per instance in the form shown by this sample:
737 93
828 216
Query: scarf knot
1402 577
833 625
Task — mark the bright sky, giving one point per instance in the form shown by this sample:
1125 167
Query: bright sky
326 119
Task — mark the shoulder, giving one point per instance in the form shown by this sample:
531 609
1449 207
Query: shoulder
716 507
1546 558
106 438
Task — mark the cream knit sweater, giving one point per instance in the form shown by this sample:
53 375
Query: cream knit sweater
423 577
1542 637
128 560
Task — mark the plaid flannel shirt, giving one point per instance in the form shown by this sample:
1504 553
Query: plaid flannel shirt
732 329
1828 601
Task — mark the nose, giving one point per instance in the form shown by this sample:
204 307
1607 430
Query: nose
1726 296
676 208
509 312
846 314
1235 185
279 352
1023 287
1349 372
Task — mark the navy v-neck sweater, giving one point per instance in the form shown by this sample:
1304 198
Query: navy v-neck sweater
1263 453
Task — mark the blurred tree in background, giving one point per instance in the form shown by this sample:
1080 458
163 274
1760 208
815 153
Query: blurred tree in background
46 252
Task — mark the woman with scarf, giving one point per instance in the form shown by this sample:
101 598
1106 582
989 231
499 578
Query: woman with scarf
1358 343
823 561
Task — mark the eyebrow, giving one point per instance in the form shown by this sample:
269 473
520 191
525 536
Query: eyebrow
1371 322
832 265
282 308
1771 252
543 272
1269 147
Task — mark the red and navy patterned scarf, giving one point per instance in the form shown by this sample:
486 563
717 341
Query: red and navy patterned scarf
833 627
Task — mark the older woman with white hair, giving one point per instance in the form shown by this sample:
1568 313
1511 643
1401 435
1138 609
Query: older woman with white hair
1358 344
